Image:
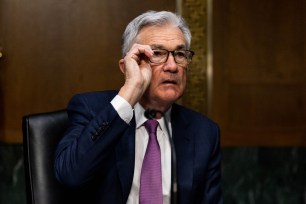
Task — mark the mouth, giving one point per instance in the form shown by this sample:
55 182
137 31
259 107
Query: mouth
169 82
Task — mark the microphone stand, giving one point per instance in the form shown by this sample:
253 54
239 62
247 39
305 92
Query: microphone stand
151 114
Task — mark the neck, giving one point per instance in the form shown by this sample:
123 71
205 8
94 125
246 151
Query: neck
159 108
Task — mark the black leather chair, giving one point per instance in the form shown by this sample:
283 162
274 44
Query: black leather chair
41 134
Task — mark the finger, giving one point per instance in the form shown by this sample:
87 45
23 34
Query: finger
145 49
137 51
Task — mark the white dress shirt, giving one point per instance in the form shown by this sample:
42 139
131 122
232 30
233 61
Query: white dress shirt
125 111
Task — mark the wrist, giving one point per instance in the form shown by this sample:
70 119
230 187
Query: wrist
130 94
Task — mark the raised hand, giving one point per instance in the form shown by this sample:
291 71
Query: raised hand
137 71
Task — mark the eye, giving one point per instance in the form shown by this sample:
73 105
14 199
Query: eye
159 53
180 54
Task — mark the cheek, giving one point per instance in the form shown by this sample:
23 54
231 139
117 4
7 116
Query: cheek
154 80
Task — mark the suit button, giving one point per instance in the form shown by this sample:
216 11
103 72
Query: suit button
94 137
105 125
100 129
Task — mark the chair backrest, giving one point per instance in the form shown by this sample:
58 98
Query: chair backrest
41 134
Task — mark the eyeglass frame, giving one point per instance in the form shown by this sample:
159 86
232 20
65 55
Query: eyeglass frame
173 55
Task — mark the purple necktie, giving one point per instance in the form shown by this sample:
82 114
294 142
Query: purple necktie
151 176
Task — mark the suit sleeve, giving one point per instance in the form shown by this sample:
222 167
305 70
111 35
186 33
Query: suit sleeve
92 136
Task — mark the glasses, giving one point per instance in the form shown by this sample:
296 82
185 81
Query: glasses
181 57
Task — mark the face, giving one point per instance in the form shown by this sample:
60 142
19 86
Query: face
168 79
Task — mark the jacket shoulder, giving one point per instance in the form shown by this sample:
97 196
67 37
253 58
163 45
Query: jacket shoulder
190 115
97 95
91 100
94 96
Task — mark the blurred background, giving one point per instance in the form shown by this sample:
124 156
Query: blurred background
248 74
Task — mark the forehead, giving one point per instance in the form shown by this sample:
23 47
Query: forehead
166 36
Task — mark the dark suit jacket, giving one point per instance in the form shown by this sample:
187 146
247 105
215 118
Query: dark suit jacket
96 155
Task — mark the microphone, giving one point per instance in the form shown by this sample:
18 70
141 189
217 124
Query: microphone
151 114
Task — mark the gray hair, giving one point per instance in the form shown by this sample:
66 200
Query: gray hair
153 18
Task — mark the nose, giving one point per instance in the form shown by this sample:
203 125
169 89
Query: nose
170 64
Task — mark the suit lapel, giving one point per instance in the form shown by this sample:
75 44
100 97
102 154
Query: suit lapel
184 152
125 156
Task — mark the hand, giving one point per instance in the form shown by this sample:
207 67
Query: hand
137 71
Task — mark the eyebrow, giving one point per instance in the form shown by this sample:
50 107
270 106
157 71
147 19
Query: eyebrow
157 46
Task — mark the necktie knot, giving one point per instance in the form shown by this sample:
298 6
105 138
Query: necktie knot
151 126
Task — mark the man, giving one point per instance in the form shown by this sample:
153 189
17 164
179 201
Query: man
103 151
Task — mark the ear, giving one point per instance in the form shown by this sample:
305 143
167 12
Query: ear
122 65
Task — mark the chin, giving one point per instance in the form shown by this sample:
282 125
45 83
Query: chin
171 96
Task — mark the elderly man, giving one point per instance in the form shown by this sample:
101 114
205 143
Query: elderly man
110 153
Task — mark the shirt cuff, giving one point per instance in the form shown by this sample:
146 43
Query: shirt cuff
123 108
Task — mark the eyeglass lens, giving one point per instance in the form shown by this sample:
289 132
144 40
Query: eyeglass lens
180 56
